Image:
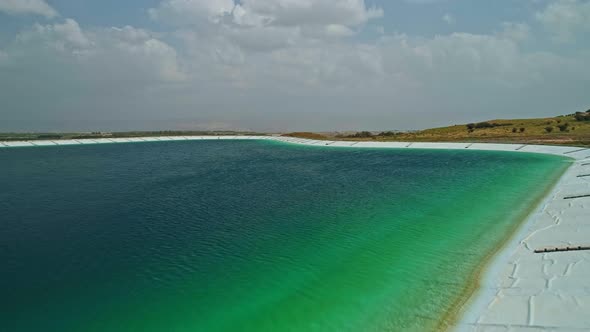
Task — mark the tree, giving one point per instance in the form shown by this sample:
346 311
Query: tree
548 129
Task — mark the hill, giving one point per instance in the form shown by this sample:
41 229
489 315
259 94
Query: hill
572 129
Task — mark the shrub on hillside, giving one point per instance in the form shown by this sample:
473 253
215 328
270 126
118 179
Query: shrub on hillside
481 125
484 125
549 129
563 127
362 134
49 136
522 129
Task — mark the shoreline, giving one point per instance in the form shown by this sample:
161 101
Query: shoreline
521 289
508 282
576 153
476 292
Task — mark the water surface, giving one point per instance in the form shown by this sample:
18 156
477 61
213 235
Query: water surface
251 235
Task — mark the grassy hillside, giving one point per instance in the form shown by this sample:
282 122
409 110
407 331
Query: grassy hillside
571 129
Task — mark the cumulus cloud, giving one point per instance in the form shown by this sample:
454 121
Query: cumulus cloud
565 19
305 12
324 13
191 11
21 7
65 52
64 36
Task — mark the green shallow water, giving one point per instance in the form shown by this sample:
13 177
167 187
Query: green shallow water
251 235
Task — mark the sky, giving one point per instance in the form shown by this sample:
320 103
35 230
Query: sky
288 65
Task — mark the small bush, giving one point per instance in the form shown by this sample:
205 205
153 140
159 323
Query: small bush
514 130
480 125
522 129
49 136
563 127
549 129
362 134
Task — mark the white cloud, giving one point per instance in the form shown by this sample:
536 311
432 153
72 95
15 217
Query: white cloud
65 36
320 13
22 7
564 19
117 51
191 11
305 12
449 18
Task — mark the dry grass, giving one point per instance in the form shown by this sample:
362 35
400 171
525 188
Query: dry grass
577 133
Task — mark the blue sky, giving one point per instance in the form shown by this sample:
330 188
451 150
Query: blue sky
288 64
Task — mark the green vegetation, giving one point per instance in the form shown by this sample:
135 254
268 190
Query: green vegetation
572 129
473 126
563 127
361 134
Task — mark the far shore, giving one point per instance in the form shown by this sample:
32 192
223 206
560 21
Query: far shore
573 152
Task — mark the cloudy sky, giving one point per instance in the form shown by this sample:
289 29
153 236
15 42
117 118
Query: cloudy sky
288 64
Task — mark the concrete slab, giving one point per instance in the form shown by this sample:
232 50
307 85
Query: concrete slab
17 144
43 143
66 142
446 146
557 285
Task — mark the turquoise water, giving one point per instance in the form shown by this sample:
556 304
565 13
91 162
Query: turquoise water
251 235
